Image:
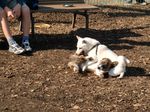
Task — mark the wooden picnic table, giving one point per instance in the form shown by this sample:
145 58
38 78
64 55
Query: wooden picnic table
75 9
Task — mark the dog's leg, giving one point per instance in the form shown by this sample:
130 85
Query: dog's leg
101 75
84 68
89 58
121 76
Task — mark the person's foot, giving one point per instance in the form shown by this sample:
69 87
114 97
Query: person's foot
143 3
16 49
128 3
26 46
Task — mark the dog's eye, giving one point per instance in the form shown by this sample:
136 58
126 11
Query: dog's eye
104 66
80 48
99 68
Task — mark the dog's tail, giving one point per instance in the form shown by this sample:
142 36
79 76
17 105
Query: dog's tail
123 59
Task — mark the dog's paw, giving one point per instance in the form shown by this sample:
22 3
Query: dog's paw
76 69
70 65
89 58
101 75
120 77
83 68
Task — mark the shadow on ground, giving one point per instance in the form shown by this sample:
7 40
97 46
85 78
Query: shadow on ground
136 71
130 11
111 38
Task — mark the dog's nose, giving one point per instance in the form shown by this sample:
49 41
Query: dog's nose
99 67
77 54
80 53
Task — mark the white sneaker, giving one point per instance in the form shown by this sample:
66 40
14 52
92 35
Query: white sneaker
26 46
16 49
143 3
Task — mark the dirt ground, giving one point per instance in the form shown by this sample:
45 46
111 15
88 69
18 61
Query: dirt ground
42 82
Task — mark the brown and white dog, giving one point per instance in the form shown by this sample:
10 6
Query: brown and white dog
104 66
116 68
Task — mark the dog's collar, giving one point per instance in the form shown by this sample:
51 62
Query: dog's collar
96 45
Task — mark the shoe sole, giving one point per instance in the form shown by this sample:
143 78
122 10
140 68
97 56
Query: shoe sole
17 53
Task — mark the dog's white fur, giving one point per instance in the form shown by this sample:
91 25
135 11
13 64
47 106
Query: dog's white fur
120 69
85 44
97 53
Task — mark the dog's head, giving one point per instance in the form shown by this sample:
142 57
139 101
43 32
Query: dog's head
85 44
104 66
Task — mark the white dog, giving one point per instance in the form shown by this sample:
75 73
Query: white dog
93 49
120 69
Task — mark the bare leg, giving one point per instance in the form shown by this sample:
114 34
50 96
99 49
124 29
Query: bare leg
26 20
5 27
13 46
26 27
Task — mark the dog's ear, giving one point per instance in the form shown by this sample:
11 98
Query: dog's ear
78 37
115 63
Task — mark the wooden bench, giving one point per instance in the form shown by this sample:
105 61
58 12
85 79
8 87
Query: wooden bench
79 8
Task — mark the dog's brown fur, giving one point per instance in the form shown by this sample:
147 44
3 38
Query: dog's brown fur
76 61
106 65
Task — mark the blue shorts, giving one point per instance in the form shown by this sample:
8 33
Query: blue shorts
12 4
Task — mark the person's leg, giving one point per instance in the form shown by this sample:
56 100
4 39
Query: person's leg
13 46
5 27
26 27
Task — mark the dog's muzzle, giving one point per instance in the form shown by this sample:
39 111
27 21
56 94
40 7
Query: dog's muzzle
99 67
102 67
81 53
